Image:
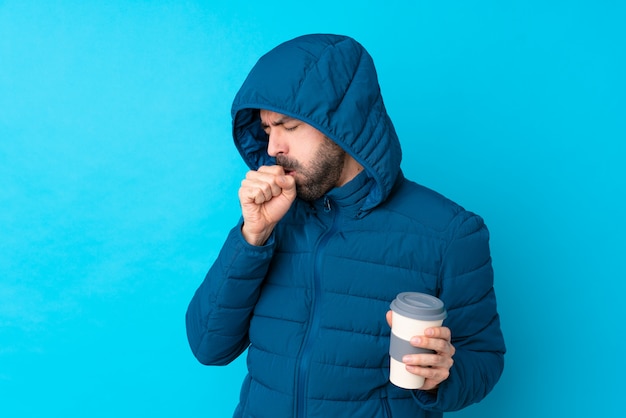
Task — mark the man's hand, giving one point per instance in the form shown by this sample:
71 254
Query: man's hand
265 196
435 368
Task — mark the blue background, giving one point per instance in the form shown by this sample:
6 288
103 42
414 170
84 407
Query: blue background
118 183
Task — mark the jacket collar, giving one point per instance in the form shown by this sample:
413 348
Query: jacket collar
349 199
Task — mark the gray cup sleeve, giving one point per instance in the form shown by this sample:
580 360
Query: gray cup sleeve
398 348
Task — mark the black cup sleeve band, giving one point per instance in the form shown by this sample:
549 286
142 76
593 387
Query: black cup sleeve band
398 348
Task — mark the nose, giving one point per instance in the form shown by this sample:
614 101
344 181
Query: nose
277 144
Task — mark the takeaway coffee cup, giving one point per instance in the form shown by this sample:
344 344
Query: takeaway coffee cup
412 313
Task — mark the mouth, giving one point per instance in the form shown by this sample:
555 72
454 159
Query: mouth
289 171
289 166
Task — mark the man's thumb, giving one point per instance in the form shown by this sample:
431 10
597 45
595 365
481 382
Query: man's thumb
288 184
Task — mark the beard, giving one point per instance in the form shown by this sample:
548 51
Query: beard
322 174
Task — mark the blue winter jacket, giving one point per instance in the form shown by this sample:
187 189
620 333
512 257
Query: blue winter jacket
309 306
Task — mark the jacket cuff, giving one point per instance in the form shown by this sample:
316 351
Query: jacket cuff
236 233
425 399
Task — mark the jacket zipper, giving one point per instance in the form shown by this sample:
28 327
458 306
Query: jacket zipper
386 408
305 357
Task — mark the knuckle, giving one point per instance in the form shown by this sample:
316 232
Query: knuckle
440 346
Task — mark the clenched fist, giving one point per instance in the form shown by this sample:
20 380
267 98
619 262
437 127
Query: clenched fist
265 196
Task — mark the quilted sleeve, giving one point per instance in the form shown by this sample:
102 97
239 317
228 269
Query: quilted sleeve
466 287
218 315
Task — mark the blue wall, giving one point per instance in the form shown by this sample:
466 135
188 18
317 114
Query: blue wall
118 183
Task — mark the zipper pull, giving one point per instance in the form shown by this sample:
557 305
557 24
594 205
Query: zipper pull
327 207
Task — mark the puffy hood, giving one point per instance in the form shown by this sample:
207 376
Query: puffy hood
329 82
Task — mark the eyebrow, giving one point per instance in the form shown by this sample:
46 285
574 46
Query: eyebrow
280 121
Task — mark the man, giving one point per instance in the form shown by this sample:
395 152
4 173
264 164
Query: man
331 232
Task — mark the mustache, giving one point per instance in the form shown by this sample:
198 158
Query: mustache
287 163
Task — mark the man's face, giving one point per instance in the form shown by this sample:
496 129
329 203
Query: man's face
314 161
